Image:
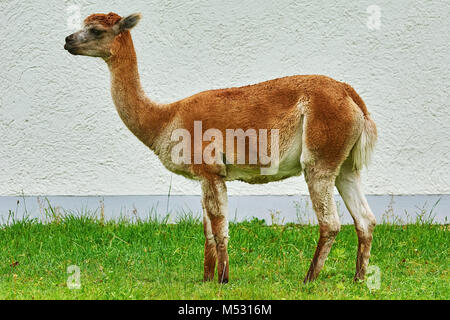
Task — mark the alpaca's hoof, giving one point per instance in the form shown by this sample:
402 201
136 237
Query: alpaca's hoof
309 277
208 278
358 278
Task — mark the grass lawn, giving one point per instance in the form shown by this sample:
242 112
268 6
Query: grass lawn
156 260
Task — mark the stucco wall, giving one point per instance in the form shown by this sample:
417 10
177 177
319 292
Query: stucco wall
60 133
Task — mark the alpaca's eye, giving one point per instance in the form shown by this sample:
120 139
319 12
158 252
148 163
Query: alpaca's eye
96 32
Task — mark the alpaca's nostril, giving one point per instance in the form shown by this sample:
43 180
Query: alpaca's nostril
69 38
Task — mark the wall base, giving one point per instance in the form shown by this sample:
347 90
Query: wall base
273 209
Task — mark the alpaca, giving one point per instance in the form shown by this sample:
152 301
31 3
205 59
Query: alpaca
322 129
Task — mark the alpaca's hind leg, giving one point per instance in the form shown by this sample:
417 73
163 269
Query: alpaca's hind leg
349 185
321 185
215 205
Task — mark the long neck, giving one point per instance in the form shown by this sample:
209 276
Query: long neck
142 116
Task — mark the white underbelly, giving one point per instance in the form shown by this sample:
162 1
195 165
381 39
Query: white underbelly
289 165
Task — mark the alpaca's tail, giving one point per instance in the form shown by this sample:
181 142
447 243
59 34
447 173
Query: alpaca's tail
362 150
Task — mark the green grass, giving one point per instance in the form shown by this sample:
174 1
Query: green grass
156 260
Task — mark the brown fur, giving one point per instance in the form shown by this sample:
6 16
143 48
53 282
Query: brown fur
106 20
274 104
142 116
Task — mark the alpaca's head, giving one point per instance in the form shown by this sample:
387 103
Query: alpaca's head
99 33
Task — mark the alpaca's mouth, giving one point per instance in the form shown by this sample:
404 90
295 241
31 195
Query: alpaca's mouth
71 49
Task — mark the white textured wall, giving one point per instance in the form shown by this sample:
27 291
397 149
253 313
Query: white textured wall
60 133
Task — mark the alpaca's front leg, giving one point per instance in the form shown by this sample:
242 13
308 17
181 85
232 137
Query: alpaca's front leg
215 208
210 249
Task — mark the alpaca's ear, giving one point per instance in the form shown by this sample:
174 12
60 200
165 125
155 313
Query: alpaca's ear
129 22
